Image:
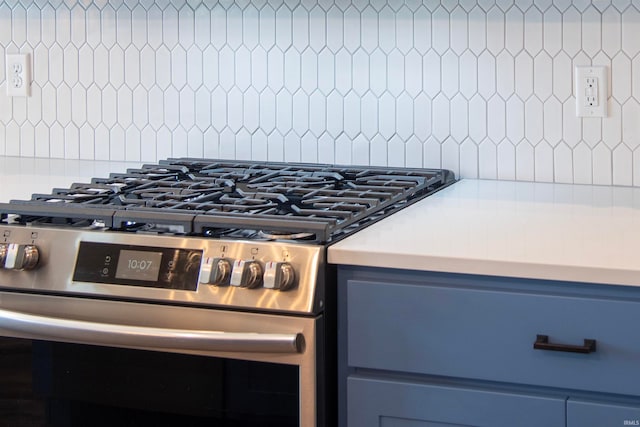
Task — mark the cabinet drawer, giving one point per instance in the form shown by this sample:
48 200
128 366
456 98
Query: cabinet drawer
489 335
582 413
386 403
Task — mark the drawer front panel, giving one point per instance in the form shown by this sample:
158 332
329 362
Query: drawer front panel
489 335
385 403
582 413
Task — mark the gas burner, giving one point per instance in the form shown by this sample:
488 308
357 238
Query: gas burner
288 201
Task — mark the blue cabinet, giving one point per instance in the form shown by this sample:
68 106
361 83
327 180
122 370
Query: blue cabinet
427 349
397 403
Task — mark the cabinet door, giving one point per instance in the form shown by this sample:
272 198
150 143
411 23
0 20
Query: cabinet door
389 403
584 413
487 334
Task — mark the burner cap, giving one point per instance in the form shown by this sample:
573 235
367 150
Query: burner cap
284 235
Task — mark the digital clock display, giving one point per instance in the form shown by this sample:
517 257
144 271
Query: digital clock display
139 265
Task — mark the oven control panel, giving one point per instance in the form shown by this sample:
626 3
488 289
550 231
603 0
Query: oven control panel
261 275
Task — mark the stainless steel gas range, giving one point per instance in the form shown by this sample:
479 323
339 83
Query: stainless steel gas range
216 258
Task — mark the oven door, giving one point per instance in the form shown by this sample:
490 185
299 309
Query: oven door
155 331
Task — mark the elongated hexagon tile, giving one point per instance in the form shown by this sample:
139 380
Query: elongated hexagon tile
505 74
404 116
611 31
27 141
602 161
571 125
387 115
235 109
487 160
450 155
450 74
186 27
440 34
622 169
396 152
404 23
552 33
326 149
432 153
525 164
515 119
378 72
440 110
523 75
78 105
612 125
495 30
591 31
292 147
496 118
477 30
422 30
582 164
630 39
132 144
533 31
124 27
477 118
422 116
19 111
514 28
468 159
33 25
487 75
34 105
395 72
460 118
413 152
317 113
413 73
343 71
543 162
300 112
621 77
284 111
506 160
459 30
308 148
591 131
631 124
352 115
431 73
534 120
187 105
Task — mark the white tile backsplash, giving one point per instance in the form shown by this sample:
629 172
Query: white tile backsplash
483 87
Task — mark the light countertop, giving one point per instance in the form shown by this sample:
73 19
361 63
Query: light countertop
513 229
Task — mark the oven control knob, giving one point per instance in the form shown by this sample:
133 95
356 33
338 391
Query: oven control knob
216 271
279 275
4 248
246 274
19 257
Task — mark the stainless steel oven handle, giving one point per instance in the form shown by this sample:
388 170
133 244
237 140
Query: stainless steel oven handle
108 334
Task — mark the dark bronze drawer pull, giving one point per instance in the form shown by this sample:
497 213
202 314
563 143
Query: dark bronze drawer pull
542 343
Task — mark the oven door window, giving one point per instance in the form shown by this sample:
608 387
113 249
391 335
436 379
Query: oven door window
85 385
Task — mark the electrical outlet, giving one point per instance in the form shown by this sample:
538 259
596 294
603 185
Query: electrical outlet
591 91
18 75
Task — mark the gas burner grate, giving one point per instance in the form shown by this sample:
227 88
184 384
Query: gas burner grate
220 197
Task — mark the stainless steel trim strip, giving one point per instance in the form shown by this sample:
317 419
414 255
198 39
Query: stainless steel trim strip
52 328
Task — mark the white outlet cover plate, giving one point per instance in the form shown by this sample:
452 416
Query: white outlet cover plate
18 74
583 108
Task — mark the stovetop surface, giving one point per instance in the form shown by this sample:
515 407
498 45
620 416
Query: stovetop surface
233 199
